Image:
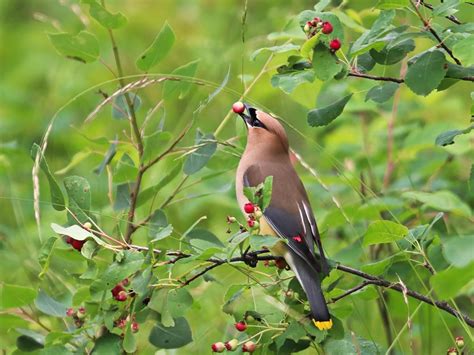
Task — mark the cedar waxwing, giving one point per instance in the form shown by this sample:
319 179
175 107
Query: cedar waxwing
289 215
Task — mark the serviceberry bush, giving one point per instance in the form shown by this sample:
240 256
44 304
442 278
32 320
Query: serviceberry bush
134 240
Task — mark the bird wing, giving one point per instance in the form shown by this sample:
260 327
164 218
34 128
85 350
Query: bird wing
290 215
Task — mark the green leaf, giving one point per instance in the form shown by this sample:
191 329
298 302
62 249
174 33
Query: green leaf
104 17
199 158
275 49
180 87
162 233
382 92
392 4
122 197
381 266
426 73
202 239
393 54
448 283
12 296
457 71
158 221
75 160
129 341
82 47
79 194
447 138
45 254
50 306
374 38
120 109
441 201
179 301
148 193
463 50
258 242
155 144
446 8
288 82
158 49
125 170
173 337
325 115
384 232
28 344
459 251
267 192
116 272
57 198
108 344
325 63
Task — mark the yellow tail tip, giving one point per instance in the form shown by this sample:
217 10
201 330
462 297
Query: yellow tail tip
325 325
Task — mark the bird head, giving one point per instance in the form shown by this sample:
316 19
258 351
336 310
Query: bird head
263 128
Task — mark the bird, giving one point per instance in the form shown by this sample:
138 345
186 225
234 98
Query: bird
289 215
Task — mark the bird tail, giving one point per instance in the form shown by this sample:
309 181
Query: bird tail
311 284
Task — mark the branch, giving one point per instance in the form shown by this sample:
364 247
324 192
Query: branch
396 80
435 34
451 18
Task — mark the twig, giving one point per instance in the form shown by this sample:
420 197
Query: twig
377 78
34 319
351 291
435 34
451 18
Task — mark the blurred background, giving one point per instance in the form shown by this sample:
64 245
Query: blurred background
36 83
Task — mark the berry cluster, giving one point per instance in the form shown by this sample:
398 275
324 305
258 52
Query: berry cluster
122 323
78 316
119 293
231 345
254 213
459 340
278 262
315 25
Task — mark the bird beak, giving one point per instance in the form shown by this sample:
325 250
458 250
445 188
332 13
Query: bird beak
246 116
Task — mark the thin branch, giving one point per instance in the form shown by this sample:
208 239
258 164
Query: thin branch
435 34
451 18
351 291
377 78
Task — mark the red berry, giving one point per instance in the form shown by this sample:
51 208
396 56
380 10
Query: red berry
125 282
121 323
69 240
231 345
280 263
317 19
327 28
218 347
121 296
135 327
70 312
335 44
241 326
249 207
297 239
77 244
82 310
251 223
249 347
459 341
238 107
115 291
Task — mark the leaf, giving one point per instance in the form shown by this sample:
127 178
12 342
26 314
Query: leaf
109 155
82 47
162 233
107 344
158 49
381 266
120 109
49 306
459 251
171 337
122 197
448 283
129 341
258 242
28 344
155 144
374 38
73 231
446 8
57 197
426 73
117 271
158 221
325 115
275 49
13 296
447 138
441 201
325 63
382 92
463 50
267 192
76 159
392 4
288 82
457 71
148 193
384 232
199 158
180 87
45 254
79 193
202 239
393 54
104 17
179 301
